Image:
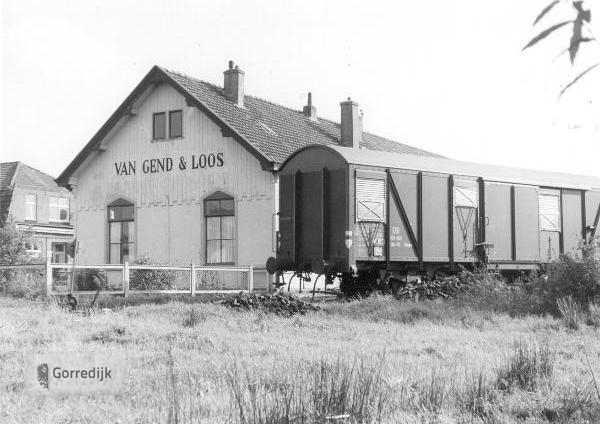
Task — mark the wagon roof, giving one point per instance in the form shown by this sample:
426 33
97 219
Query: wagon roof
269 131
493 173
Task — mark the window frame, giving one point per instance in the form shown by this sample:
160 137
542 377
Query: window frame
58 207
154 116
378 201
220 215
171 113
34 196
53 252
120 203
558 196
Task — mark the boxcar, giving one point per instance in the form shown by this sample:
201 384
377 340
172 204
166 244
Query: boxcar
369 216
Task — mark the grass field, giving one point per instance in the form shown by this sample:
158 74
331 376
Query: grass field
374 360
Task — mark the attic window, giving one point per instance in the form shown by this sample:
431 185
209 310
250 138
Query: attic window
159 126
267 129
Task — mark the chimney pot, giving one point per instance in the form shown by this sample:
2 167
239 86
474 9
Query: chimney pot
233 86
351 124
309 110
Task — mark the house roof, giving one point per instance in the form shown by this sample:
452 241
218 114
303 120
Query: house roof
491 173
19 175
268 130
276 130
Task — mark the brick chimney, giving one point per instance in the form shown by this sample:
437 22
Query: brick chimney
351 124
309 110
233 87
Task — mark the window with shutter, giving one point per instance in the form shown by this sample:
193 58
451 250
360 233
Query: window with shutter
370 199
465 197
550 211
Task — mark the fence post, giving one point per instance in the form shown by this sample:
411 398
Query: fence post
125 279
251 279
48 276
193 280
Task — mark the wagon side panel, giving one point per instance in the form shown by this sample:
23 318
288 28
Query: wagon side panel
527 235
498 221
571 220
435 218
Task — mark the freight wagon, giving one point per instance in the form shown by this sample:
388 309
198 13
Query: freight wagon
372 217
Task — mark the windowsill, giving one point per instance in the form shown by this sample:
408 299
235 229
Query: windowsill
59 222
220 264
160 140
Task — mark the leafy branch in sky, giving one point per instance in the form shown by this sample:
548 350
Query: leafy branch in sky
580 33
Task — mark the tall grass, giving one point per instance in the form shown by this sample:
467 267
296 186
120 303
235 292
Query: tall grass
571 311
321 391
526 366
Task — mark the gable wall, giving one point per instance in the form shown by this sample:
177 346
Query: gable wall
169 205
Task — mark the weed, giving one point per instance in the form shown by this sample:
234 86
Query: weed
525 366
320 392
593 315
478 395
192 317
570 311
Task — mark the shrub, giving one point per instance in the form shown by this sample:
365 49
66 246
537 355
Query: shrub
151 279
571 312
525 366
27 283
90 280
578 275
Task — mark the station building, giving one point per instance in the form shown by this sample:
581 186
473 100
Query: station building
185 171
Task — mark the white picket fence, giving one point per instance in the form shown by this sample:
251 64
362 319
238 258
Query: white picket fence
60 279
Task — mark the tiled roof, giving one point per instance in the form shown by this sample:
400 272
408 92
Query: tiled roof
277 131
271 132
7 170
24 176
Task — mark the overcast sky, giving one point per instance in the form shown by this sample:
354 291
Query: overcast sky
448 77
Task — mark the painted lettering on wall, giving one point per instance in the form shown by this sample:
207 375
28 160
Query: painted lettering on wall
152 166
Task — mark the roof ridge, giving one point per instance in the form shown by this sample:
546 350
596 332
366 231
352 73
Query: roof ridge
282 106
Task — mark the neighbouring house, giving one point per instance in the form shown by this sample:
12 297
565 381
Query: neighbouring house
39 206
186 171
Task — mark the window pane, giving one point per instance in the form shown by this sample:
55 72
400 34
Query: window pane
212 208
213 228
127 213
115 232
125 236
175 124
30 207
159 126
227 251
228 227
213 251
115 254
227 207
127 251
